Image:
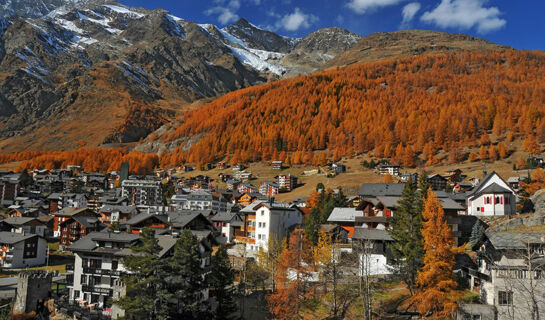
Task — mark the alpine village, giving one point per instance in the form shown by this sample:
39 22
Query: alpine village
152 167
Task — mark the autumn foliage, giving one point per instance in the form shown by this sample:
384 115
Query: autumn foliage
436 282
397 109
92 160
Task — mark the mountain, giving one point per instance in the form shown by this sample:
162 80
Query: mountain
408 43
97 72
64 64
406 109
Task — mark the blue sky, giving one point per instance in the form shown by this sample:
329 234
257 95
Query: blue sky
519 24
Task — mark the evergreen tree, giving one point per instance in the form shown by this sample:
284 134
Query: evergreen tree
423 183
221 281
186 280
405 230
318 215
145 296
25 178
477 233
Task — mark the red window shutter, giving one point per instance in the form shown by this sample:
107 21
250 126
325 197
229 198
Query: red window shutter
501 199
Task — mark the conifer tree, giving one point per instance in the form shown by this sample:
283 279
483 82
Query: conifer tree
221 281
187 281
476 233
405 230
436 282
145 285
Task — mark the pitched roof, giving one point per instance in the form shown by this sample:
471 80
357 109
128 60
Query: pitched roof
109 208
514 240
145 216
69 212
87 222
371 234
16 221
389 201
381 189
180 220
12 237
344 215
224 216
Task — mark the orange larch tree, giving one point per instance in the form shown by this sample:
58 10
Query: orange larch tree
437 294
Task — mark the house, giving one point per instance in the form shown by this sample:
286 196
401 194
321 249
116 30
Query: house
76 228
222 165
59 201
372 190
376 243
509 275
238 167
192 220
492 197
99 264
277 165
514 182
200 200
453 175
27 225
463 187
243 175
437 182
233 184
22 250
345 218
391 169
227 223
147 220
336 233
67 213
337 167
286 182
246 188
405 177
114 213
269 189
249 197
263 220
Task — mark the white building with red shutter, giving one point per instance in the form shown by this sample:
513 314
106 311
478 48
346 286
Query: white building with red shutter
492 197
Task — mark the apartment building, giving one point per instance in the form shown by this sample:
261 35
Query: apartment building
142 192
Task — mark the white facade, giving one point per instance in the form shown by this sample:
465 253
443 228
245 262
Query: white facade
492 197
272 222
29 252
142 192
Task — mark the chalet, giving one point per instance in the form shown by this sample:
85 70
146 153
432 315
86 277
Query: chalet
372 190
391 169
376 241
21 212
337 167
246 188
269 189
243 175
58 201
492 197
22 250
222 165
345 218
286 182
463 187
76 228
113 213
228 223
337 233
405 177
180 220
147 220
233 184
453 175
67 213
24 226
514 182
239 167
437 182
277 165
248 198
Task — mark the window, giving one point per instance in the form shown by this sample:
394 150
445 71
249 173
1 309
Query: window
114 264
478 209
83 279
264 224
505 298
262 212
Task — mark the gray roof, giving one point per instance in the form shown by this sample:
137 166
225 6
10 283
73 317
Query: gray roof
143 217
108 208
87 222
166 243
16 221
371 234
381 189
513 180
69 212
389 201
224 216
344 215
180 220
514 240
12 237
449 204
495 188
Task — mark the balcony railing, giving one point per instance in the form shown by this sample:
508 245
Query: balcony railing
70 267
105 272
94 289
247 240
